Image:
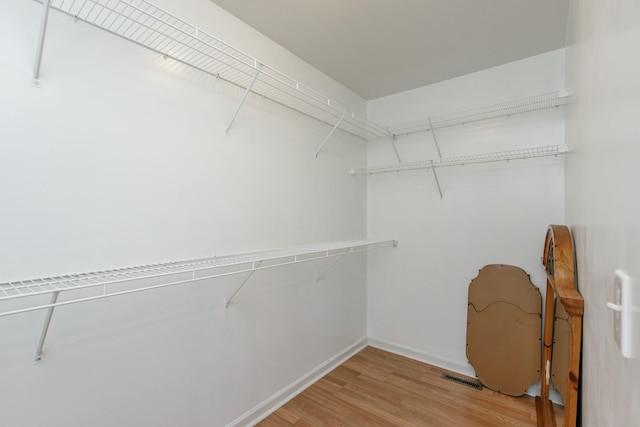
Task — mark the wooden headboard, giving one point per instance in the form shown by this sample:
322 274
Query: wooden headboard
562 335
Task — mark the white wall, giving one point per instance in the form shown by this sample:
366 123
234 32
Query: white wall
602 203
121 159
490 213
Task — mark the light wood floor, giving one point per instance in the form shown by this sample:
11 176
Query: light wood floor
377 388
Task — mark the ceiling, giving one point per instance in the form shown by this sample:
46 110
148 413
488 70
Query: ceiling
381 47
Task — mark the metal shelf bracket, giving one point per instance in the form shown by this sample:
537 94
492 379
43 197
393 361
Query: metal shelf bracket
435 139
433 169
435 176
46 6
330 133
258 67
331 264
45 327
395 148
254 266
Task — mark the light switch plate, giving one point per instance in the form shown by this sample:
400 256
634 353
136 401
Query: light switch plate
622 312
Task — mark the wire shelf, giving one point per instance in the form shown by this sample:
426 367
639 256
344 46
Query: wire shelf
527 153
179 272
149 26
519 106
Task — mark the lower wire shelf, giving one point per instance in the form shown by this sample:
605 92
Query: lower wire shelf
124 281
176 273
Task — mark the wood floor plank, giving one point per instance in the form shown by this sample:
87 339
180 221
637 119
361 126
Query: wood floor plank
327 385
275 420
381 389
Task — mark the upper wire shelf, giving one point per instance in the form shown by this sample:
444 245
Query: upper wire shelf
176 273
505 109
526 153
151 27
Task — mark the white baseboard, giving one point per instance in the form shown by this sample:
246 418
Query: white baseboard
269 405
423 356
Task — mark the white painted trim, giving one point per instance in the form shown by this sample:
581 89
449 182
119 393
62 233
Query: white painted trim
273 402
423 356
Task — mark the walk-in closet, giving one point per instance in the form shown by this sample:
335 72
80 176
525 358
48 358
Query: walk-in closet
238 213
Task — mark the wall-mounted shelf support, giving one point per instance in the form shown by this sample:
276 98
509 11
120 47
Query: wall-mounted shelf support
130 280
331 264
46 7
244 96
45 327
330 134
435 176
435 139
395 147
253 270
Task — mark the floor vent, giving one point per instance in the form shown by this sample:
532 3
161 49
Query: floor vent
462 381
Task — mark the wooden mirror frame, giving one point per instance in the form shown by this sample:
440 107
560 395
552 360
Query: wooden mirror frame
558 260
